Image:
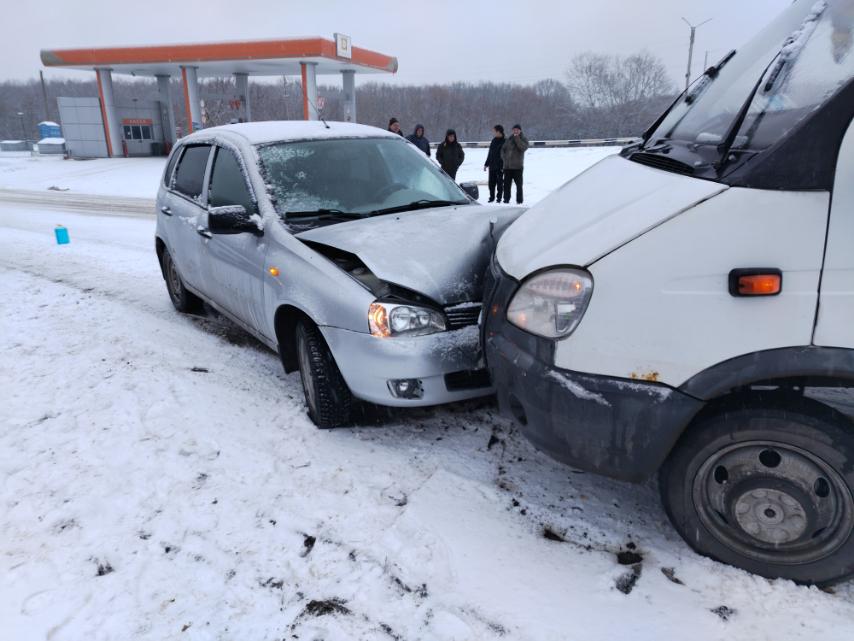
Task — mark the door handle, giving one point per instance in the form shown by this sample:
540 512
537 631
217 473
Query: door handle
165 210
201 231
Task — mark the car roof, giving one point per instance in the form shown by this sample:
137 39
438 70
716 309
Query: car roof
257 133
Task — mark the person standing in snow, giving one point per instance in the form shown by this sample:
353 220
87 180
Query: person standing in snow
420 140
513 155
494 163
450 154
394 126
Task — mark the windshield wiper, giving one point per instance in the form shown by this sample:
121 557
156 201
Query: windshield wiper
322 213
418 204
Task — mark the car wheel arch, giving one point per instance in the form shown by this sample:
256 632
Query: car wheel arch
285 323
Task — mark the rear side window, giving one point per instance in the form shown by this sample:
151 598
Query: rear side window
190 174
170 167
228 184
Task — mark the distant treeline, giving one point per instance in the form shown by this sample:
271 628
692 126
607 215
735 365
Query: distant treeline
600 96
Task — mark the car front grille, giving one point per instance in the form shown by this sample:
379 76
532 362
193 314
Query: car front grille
464 315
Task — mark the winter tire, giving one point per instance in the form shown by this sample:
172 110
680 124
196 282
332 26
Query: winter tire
768 488
327 396
183 300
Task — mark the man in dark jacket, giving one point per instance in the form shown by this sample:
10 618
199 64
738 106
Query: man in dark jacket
450 154
419 140
494 163
394 126
513 155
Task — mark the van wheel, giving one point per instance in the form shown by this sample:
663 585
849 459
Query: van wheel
183 300
327 396
768 488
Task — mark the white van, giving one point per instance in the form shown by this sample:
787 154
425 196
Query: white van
672 308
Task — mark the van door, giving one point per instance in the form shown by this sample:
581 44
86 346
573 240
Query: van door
234 263
834 327
188 214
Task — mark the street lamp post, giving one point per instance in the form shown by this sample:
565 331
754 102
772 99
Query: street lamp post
693 28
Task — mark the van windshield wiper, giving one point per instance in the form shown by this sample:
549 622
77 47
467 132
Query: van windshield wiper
322 213
418 204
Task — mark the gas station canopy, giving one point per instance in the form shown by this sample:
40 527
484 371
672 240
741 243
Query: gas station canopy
307 57
254 58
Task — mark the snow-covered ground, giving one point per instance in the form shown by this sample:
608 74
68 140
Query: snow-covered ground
546 169
159 480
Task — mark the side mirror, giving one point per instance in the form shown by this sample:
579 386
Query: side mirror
232 219
471 189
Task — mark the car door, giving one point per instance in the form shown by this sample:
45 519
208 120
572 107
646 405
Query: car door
184 205
234 263
836 305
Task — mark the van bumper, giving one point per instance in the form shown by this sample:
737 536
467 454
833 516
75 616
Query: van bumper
616 427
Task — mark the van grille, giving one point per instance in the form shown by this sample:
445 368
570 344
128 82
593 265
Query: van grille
662 162
460 316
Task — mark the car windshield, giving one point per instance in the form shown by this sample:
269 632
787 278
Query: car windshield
796 63
349 178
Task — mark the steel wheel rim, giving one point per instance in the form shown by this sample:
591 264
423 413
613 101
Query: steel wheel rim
773 502
173 279
306 374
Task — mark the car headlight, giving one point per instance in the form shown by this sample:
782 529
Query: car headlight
392 319
551 303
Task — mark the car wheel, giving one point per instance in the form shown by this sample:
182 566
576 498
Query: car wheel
768 488
182 299
327 396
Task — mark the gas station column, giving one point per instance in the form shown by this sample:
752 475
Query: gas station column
191 98
349 78
164 91
112 126
309 90
241 80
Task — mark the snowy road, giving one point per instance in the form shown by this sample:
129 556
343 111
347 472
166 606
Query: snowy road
159 479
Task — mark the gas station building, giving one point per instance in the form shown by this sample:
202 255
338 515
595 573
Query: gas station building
125 126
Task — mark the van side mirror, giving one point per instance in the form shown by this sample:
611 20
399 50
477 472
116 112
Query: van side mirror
471 189
232 219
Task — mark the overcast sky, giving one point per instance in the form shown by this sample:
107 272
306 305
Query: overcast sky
434 40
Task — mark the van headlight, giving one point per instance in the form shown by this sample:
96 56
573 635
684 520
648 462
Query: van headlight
551 303
392 319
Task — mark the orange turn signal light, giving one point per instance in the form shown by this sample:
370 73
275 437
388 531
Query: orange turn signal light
755 282
274 271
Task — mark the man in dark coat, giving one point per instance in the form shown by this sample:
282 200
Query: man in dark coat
450 154
420 140
394 126
494 163
513 155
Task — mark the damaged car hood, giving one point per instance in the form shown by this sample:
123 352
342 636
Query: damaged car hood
601 209
441 253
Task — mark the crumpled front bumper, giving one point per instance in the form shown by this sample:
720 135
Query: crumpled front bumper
439 361
616 427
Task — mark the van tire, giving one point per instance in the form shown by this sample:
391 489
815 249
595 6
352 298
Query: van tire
767 485
182 299
327 397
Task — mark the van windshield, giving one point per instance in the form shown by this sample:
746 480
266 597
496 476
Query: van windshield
768 87
337 180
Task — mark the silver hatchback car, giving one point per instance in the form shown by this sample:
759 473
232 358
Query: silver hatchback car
340 246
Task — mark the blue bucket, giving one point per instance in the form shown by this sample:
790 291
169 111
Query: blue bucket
61 234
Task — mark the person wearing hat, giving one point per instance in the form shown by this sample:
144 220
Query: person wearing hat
394 126
450 154
513 155
420 140
494 163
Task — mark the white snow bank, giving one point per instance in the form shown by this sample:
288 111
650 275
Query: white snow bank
52 141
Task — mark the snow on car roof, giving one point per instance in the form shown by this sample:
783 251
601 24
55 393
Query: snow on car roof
286 130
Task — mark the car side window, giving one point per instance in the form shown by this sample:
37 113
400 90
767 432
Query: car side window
170 167
228 183
190 174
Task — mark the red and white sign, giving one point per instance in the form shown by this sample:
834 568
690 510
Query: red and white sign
137 121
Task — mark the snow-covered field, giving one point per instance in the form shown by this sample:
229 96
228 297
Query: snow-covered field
546 169
159 480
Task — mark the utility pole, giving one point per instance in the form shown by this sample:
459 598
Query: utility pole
694 28
23 128
44 95
706 61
